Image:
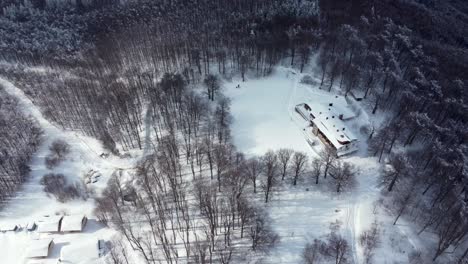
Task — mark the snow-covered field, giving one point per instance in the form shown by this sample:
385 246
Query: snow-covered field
264 119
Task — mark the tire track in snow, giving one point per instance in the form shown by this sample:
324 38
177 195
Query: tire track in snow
352 211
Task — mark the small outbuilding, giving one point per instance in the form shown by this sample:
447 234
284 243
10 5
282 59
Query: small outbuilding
102 247
84 251
31 226
328 124
9 228
50 225
41 248
74 223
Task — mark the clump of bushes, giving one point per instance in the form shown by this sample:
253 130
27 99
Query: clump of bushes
57 186
58 152
307 79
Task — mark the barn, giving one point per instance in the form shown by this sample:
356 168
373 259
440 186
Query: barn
328 124
84 251
31 226
74 223
8 228
51 224
39 249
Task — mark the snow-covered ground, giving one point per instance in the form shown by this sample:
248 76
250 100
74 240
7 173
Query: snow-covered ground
262 114
31 204
264 119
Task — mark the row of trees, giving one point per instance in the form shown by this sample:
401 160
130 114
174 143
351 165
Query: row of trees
286 164
19 137
84 26
336 249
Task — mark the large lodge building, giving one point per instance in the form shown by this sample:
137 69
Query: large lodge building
328 124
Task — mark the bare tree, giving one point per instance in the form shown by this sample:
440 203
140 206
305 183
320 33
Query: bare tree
58 151
261 233
299 165
312 252
201 251
253 167
213 85
56 185
246 213
60 148
402 201
208 202
398 166
316 169
221 161
328 157
370 240
451 232
284 156
337 248
117 252
223 119
463 259
270 161
343 176
415 257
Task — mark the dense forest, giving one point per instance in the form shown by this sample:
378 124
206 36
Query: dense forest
17 147
107 67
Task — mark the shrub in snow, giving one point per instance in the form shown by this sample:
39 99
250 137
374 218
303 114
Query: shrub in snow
415 256
108 142
370 240
312 252
342 176
56 185
58 151
334 249
365 130
307 79
117 251
51 162
261 232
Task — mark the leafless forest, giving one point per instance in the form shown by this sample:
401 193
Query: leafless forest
112 70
